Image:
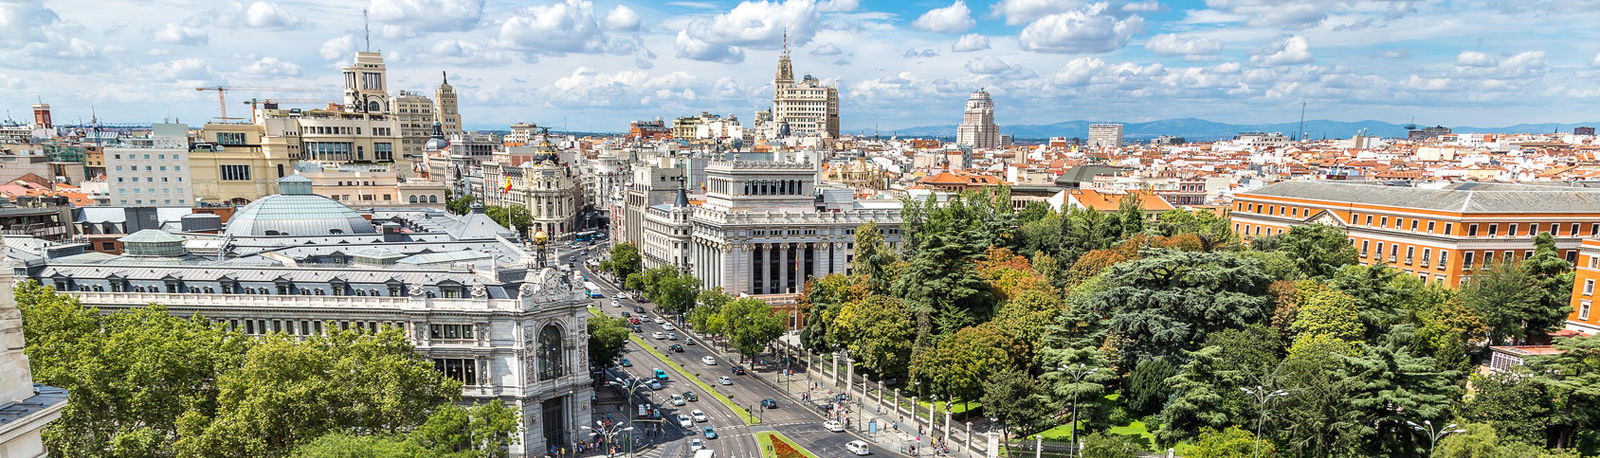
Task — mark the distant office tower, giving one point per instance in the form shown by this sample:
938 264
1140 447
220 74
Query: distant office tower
1427 133
1105 135
415 113
807 108
41 116
977 128
444 107
1583 130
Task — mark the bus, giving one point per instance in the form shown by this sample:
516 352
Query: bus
586 236
592 289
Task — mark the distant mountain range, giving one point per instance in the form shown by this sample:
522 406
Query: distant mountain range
1193 129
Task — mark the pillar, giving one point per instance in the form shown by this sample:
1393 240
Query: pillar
946 423
849 375
834 374
761 268
897 402
783 270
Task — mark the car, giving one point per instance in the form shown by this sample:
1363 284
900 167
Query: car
688 341
833 425
638 329
626 363
685 422
736 369
676 348
699 416
710 433
676 399
657 335
643 316
858 447
658 320
614 303
691 396
638 309
724 380
635 321
661 374
668 327
697 445
672 336
709 361
655 385
625 314
769 403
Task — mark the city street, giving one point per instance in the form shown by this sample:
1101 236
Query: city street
802 424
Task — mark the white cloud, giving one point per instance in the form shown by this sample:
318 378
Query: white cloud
568 27
1089 31
1291 50
759 25
915 53
180 35
271 66
995 67
827 49
185 70
838 6
1596 61
1475 59
266 15
955 18
1177 45
586 86
622 18
1275 12
336 48
413 17
971 42
25 22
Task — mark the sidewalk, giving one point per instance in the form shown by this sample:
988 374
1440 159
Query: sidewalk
865 417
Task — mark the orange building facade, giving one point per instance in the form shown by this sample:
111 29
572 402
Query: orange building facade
1584 318
1438 235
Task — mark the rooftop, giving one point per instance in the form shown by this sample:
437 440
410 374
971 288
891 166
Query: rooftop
1469 197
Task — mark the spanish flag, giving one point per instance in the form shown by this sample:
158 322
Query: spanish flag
508 185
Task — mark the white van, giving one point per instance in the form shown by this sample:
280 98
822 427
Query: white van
858 447
705 453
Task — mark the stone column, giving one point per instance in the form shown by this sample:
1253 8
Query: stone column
783 270
947 423
761 269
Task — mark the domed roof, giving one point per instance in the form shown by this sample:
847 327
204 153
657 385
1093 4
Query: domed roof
437 141
151 242
296 212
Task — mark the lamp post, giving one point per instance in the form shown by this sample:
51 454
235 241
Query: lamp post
610 433
1077 373
1426 428
632 388
1262 396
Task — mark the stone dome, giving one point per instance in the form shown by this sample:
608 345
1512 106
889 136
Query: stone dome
296 211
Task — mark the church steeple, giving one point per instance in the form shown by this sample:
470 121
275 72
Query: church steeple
785 75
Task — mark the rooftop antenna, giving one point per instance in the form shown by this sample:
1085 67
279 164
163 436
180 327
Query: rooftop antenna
366 29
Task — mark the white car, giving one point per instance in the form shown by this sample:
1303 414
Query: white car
709 361
667 326
699 416
858 447
724 380
833 425
614 303
677 400
697 445
672 336
660 321
657 335
685 422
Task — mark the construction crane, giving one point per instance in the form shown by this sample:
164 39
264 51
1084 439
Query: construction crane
222 102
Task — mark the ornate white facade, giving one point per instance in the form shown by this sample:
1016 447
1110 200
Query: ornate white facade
977 129
545 186
804 109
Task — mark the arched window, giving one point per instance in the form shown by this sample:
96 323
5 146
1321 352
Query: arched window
413 199
433 199
552 361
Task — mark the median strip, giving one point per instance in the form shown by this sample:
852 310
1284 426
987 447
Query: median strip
776 445
744 415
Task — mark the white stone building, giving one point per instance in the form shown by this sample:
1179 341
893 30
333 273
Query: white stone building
977 129
151 173
806 108
1105 135
544 185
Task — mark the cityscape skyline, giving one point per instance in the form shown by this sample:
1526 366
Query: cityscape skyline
584 65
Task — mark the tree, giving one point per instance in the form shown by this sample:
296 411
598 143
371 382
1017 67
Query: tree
1206 392
1130 212
1318 250
1017 401
957 366
1146 388
1499 294
1084 230
1518 408
1214 232
1106 445
623 262
822 298
1552 278
750 325
460 206
707 314
1232 442
873 258
942 280
517 217
1393 386
1320 310
607 337
674 292
1167 302
1480 441
1382 296
878 331
1572 378
1317 417
482 431
343 445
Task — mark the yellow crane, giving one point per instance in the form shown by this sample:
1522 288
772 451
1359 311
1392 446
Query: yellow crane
222 91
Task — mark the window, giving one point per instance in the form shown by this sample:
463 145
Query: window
1574 232
1369 220
1413 225
1430 227
1449 228
1411 251
1444 258
450 332
1488 257
1533 229
1383 222
383 151
1380 250
552 357
462 370
1427 253
1511 231
1364 248
1594 262
1588 287
1494 229
235 172
1583 310
1472 230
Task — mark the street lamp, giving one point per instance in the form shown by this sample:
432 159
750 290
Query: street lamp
1262 396
632 388
1077 373
610 433
1426 428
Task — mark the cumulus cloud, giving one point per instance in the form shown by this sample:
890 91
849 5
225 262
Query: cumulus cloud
340 47
1475 59
1277 13
1089 31
1018 12
1291 50
759 25
622 18
567 27
176 34
833 6
267 15
271 66
586 86
1195 48
414 17
827 49
997 68
955 18
971 42
1596 61
25 22
914 53
185 70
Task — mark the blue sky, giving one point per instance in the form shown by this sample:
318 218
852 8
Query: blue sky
596 65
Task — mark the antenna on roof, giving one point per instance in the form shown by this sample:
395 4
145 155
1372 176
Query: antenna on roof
366 29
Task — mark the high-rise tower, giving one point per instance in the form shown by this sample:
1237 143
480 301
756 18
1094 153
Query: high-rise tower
785 76
806 108
366 83
444 106
977 128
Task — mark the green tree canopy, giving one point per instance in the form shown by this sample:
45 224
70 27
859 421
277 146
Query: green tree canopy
750 325
873 258
623 262
607 337
1168 301
878 331
1318 250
